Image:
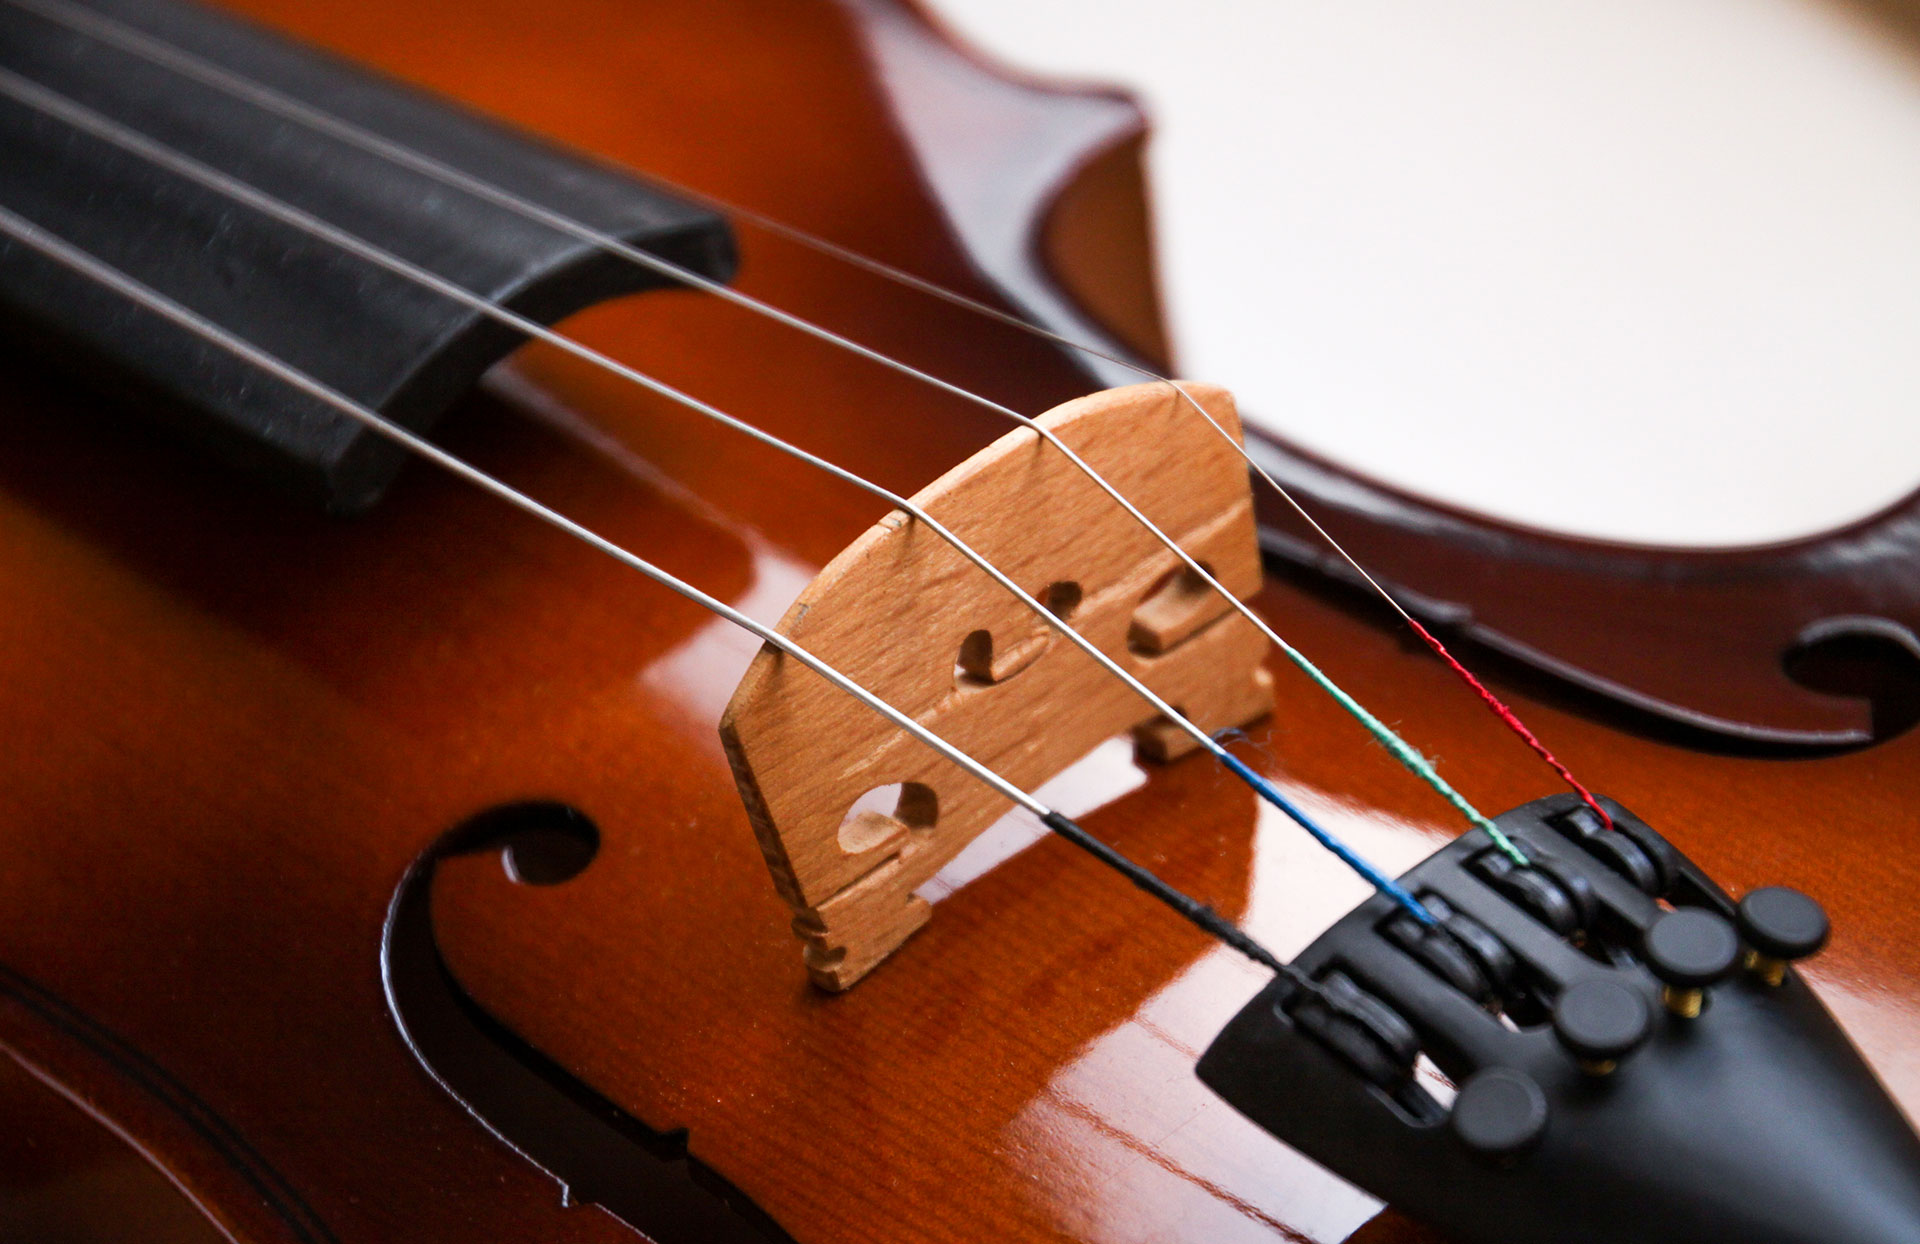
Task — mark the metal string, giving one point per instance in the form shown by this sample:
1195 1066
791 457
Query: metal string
919 284
25 232
186 63
900 276
54 104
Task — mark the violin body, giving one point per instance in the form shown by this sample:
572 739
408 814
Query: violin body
235 728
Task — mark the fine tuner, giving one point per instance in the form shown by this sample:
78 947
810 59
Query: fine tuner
1610 1017
1555 1027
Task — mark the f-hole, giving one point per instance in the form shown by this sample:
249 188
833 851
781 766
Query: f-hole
596 1152
551 845
1864 657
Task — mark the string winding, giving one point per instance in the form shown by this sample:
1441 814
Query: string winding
1398 748
1510 718
1406 755
931 289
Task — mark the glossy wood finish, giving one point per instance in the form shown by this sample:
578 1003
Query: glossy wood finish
943 1069
230 729
904 615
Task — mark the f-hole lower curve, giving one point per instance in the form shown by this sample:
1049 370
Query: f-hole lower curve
597 1153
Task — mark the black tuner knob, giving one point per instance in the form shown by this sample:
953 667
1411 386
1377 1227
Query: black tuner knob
1601 1022
1688 950
1781 925
1499 1113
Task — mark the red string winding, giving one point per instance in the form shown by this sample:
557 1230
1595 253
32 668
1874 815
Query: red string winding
1513 721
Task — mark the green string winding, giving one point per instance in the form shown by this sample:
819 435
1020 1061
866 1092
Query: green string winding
1403 752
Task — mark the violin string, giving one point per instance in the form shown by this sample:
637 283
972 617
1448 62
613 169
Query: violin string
53 104
25 232
186 63
919 284
900 276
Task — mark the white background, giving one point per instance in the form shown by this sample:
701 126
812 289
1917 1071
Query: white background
1643 269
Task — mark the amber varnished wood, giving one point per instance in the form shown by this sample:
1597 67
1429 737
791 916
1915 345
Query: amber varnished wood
228 729
906 616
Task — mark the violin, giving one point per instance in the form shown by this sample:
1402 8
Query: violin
614 632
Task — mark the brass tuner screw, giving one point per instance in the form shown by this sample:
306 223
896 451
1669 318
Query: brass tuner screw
1781 926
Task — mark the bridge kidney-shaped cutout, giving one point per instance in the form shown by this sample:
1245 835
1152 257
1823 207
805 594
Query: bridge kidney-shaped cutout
982 662
898 610
888 812
1179 603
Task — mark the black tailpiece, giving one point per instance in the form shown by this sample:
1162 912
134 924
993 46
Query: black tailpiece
1637 1062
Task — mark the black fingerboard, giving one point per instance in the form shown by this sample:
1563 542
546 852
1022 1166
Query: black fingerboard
371 334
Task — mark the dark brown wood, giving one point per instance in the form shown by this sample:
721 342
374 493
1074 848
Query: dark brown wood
1808 644
65 1178
229 730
